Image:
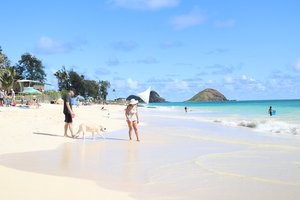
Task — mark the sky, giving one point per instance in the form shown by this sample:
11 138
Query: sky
246 49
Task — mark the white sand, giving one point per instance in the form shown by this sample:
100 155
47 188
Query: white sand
28 130
178 158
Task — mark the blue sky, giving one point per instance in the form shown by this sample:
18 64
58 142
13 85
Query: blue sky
245 49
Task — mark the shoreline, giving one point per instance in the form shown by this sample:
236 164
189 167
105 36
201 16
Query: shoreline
175 154
284 124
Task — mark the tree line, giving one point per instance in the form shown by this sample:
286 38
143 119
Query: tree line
30 67
71 79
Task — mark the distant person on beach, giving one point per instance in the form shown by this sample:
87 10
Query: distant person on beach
23 100
270 111
13 95
186 109
6 99
34 98
35 102
132 118
69 113
2 97
52 100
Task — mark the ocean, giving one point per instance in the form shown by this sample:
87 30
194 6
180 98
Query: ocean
250 114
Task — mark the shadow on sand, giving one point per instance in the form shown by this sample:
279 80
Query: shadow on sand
87 138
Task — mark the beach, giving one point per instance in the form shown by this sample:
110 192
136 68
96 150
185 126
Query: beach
26 130
179 157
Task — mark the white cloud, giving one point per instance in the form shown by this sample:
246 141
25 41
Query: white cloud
171 88
145 4
47 45
128 84
169 83
170 45
228 79
125 45
221 69
297 65
244 83
225 23
217 51
102 71
148 60
281 83
181 85
132 84
113 62
193 18
210 81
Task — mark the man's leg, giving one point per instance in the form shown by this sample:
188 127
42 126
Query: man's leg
71 129
66 130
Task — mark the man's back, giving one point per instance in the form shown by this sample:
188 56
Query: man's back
67 98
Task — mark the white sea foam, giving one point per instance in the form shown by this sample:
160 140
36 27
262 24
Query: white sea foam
278 126
267 126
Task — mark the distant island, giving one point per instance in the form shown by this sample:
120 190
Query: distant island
208 94
154 98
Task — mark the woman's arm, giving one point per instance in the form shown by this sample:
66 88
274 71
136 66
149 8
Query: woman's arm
126 114
137 116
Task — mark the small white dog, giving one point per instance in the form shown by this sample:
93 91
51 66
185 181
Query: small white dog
93 128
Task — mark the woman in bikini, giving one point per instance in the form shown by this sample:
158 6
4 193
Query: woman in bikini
132 118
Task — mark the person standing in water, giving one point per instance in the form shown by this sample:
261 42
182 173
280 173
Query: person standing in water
132 118
270 111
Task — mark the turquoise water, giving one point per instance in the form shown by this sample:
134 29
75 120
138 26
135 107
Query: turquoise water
252 114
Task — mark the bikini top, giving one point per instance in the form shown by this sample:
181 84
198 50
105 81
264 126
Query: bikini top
132 111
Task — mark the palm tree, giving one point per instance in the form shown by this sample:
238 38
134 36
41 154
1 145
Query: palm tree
114 91
104 85
8 77
63 78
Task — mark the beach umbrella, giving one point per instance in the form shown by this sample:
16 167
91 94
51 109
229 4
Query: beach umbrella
30 90
89 98
79 97
74 101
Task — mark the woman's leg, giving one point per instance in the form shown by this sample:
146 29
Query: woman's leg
136 130
129 129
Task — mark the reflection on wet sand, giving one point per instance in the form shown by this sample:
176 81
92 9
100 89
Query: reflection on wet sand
109 162
66 156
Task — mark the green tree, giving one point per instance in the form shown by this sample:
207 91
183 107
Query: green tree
77 82
91 88
63 79
4 61
8 77
103 87
29 67
71 79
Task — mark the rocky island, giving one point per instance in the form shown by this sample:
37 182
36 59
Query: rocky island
208 94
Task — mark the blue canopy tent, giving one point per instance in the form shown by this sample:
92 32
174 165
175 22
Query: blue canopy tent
75 100
30 90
